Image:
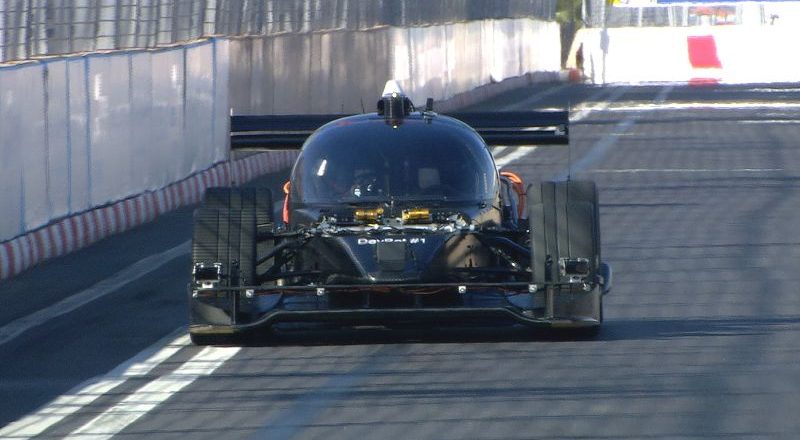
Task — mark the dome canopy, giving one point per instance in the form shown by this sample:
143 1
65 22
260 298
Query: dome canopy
369 158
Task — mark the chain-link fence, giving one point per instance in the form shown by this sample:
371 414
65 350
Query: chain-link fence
31 28
622 13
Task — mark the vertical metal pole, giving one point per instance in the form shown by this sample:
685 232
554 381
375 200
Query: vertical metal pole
69 21
259 24
137 25
46 120
28 28
117 23
96 34
234 305
270 18
549 302
201 25
157 16
2 35
175 22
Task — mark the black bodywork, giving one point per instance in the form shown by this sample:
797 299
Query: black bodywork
398 215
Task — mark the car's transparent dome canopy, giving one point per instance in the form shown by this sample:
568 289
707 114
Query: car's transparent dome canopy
367 159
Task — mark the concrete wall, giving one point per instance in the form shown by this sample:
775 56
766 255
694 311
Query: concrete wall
338 71
81 132
726 54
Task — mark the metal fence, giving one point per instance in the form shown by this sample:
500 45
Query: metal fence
602 13
32 28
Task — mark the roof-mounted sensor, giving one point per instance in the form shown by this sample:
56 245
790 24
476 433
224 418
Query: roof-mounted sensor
394 104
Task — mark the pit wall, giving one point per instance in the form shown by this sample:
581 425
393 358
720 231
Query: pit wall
97 144
711 54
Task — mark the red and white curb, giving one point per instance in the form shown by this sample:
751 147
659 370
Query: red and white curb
80 230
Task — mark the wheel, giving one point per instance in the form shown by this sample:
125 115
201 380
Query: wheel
257 199
224 241
564 223
255 203
228 238
565 247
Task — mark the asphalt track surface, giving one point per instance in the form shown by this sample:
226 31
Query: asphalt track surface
700 195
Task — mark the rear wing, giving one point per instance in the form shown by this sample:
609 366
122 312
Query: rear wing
289 132
519 128
275 132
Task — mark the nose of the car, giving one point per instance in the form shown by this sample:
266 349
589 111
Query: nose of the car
394 257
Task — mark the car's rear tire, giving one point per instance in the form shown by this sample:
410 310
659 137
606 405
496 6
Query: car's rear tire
227 237
256 199
225 232
564 224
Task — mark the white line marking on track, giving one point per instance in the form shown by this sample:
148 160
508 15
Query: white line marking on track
767 121
497 150
687 170
741 105
89 391
601 147
149 396
579 114
514 155
290 421
103 288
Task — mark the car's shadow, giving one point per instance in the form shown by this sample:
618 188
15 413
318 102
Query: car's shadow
613 330
629 329
369 335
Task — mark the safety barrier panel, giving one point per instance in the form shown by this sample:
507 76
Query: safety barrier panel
81 132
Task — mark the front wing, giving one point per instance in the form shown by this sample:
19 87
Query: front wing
241 309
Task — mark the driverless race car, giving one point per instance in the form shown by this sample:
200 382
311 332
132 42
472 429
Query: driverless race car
394 217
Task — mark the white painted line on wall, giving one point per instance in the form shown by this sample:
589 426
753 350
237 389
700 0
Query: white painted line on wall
89 391
152 394
99 290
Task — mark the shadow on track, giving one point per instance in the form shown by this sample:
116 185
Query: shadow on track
613 330
681 328
369 335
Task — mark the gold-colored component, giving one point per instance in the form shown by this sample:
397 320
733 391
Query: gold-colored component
417 215
368 215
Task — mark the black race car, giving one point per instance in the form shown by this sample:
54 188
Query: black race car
397 216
